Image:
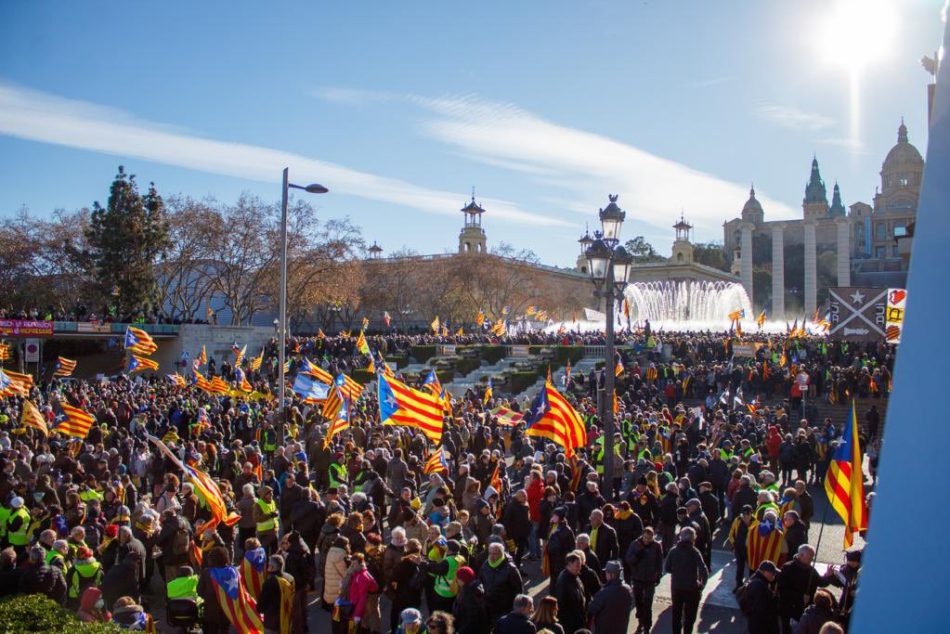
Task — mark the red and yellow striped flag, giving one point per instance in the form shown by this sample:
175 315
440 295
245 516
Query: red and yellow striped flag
141 364
400 404
552 417
31 417
333 403
64 367
139 341
201 382
764 543
218 386
844 483
4 352
77 423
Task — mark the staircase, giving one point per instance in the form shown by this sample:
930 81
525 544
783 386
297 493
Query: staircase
461 383
840 413
582 367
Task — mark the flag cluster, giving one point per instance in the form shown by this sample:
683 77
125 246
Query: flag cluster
140 344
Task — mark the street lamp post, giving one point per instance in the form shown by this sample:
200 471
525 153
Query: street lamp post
609 265
313 188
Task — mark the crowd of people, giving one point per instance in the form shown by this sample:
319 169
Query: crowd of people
710 449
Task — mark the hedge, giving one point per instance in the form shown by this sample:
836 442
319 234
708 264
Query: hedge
464 365
423 353
492 354
518 382
36 613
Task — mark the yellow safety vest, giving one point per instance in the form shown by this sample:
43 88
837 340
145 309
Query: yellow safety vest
446 585
20 537
183 588
268 508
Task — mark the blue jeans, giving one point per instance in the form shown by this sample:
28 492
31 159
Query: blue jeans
534 544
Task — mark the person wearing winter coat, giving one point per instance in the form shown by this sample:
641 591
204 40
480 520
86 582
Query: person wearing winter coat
644 561
610 607
406 583
92 607
560 542
269 601
471 614
501 581
334 569
569 592
359 584
821 611
798 580
758 602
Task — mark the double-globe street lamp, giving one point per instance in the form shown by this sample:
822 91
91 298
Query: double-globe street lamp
313 188
609 265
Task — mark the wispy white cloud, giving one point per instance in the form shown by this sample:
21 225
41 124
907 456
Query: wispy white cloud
856 146
794 118
586 166
46 118
713 81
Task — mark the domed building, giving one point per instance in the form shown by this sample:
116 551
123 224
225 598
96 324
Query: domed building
861 245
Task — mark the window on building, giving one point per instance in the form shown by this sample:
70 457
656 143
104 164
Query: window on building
881 230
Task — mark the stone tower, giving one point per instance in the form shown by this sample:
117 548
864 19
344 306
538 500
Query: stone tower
815 203
472 237
682 247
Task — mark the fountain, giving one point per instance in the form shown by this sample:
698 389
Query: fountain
687 305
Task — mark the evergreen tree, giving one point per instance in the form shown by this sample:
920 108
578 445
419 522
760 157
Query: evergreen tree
126 239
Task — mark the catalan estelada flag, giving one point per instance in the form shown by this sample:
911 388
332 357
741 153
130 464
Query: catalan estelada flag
4 352
552 417
333 403
618 365
77 423
140 364
239 606
760 320
310 368
240 352
340 422
432 382
25 381
310 390
488 393
351 388
203 357
9 386
436 463
764 543
64 367
32 418
399 404
844 483
253 570
139 341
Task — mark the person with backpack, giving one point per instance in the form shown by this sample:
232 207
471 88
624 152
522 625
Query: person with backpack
175 542
757 600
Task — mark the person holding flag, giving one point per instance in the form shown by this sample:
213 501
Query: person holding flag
844 483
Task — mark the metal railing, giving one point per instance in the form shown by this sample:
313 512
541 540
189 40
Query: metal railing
91 328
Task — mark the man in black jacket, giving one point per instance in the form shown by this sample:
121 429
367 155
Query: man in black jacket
518 621
667 515
795 532
569 592
603 538
610 607
560 543
744 495
645 561
694 509
501 581
471 616
289 496
518 523
40 578
757 600
688 576
269 601
796 585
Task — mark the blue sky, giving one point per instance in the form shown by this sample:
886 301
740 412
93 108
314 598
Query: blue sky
400 108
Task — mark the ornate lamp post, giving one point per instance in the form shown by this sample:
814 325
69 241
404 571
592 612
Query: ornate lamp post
609 265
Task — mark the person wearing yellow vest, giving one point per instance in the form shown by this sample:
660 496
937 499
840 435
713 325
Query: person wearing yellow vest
337 470
445 570
4 516
87 572
266 517
58 556
18 526
184 586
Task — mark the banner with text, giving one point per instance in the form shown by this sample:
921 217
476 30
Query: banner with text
24 328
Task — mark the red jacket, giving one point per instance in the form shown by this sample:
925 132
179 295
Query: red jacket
773 442
535 492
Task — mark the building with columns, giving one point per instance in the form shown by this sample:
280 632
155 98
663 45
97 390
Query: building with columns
830 245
